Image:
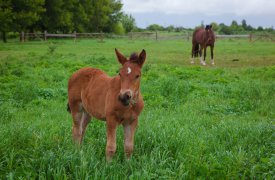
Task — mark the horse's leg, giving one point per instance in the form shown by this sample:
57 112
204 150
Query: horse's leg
204 54
200 52
129 133
75 108
80 121
212 55
111 125
84 121
192 54
201 49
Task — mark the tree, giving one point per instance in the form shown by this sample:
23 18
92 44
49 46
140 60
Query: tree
6 18
115 14
215 26
234 27
63 16
58 16
170 28
128 22
79 18
244 25
26 13
224 29
19 15
260 28
249 28
155 27
103 14
119 29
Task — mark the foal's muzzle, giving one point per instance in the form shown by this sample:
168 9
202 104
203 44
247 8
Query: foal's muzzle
125 98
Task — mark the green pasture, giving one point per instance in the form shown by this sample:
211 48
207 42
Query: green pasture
212 122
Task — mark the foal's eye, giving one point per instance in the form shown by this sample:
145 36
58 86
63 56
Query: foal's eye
137 76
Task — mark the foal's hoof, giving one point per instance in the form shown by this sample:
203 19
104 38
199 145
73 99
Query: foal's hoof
203 63
192 62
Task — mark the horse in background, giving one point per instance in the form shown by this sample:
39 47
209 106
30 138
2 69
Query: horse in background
116 100
202 38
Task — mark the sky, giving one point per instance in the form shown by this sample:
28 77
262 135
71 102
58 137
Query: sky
192 13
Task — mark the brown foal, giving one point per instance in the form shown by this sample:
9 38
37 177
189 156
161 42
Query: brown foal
116 100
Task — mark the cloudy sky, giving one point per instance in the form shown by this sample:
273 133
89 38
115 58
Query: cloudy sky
192 12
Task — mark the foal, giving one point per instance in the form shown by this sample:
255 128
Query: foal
116 100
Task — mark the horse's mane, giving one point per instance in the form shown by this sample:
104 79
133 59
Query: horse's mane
134 57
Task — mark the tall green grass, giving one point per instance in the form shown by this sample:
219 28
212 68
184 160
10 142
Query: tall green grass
198 122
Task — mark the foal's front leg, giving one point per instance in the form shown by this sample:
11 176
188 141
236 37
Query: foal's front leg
129 133
111 126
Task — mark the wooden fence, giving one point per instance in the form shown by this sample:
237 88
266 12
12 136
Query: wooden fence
238 36
44 36
139 35
158 36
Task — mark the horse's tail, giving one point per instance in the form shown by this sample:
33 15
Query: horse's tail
68 108
196 50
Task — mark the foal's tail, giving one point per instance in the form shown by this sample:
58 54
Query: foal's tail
68 108
196 50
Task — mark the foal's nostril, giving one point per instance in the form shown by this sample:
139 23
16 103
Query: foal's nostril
127 96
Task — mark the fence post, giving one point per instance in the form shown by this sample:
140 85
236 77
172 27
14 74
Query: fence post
101 36
22 37
45 35
131 35
74 36
250 37
156 35
187 36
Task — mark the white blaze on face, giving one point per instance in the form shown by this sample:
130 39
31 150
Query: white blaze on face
129 70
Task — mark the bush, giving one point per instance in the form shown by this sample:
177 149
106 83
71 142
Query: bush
119 29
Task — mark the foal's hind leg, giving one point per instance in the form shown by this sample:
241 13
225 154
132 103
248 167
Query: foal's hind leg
80 121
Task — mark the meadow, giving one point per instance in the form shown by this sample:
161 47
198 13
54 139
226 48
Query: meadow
212 122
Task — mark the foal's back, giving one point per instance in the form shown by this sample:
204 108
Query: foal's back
87 89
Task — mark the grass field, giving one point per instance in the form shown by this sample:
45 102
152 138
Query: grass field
198 122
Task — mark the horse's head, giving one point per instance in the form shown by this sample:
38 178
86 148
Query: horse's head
130 75
209 35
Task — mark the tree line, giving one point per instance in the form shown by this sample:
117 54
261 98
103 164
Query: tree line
233 28
64 16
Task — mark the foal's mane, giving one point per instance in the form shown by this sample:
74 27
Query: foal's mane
134 57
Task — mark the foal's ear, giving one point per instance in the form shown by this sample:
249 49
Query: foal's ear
142 57
120 57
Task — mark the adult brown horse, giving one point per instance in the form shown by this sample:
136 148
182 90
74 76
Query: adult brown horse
202 38
116 100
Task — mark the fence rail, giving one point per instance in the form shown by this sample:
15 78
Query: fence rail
138 35
45 36
234 36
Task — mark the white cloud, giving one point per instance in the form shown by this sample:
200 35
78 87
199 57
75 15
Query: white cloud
206 7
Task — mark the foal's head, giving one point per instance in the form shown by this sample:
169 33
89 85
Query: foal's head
130 75
210 35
